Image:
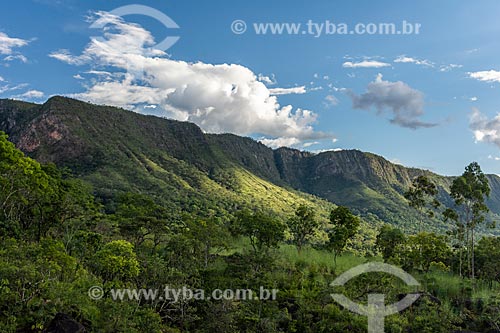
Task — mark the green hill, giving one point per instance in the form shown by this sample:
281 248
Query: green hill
211 174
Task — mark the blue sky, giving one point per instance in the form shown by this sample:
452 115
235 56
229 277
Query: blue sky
426 100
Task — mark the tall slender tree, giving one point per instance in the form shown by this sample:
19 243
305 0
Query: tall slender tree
458 232
422 197
469 192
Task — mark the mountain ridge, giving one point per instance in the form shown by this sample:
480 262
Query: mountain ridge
92 139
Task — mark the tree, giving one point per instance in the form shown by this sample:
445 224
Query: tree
389 242
117 260
469 192
458 233
23 183
302 225
263 231
425 248
141 218
488 258
421 196
344 227
67 205
37 198
208 234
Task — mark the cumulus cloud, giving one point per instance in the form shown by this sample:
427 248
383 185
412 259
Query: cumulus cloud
365 64
484 129
219 98
487 76
411 60
405 103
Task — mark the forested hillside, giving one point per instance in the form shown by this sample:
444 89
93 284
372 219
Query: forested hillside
117 151
98 202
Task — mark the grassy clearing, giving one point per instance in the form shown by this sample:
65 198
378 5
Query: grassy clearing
314 257
443 285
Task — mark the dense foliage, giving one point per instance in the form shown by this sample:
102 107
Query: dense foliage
58 241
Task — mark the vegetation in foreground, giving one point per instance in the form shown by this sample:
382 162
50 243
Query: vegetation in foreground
57 241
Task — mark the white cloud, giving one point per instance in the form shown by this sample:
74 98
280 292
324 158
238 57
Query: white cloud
13 57
33 94
65 56
287 91
449 67
8 44
270 80
333 88
331 100
395 161
309 144
484 129
473 99
496 158
487 76
8 88
103 73
78 77
2 79
318 88
29 95
365 64
319 151
405 103
280 142
411 60
219 98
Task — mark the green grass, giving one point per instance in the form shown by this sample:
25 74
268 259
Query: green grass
447 287
316 257
444 285
485 291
